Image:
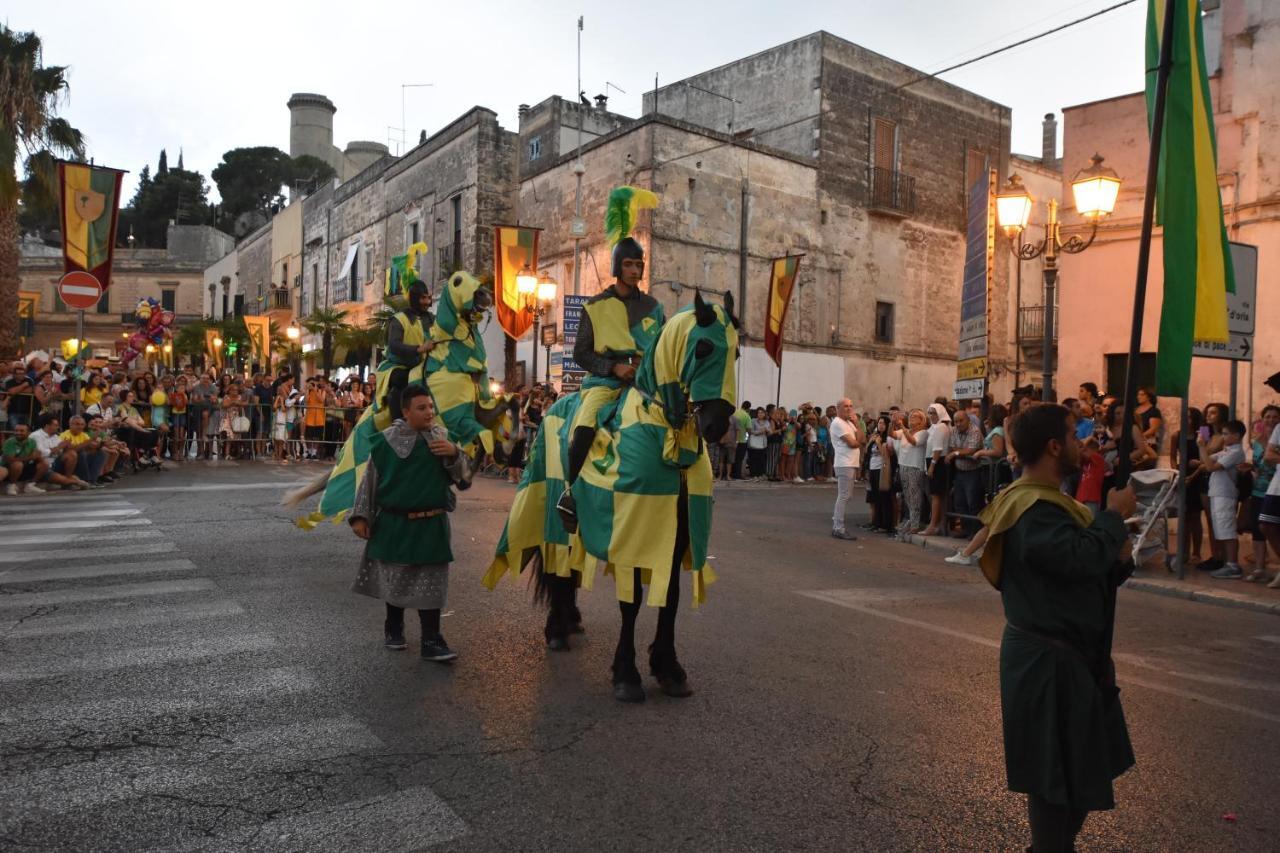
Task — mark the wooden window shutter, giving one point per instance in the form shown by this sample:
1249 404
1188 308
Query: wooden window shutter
885 145
975 167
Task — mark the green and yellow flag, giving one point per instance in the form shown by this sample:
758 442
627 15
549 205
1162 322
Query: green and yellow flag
89 202
1197 262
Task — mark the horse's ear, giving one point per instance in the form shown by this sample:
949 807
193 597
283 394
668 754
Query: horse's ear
728 308
702 311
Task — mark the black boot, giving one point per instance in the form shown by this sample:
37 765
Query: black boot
568 510
393 629
437 650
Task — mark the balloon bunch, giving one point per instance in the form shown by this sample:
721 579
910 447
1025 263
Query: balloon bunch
153 327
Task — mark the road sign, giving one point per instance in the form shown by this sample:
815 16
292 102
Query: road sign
1241 309
549 335
973 368
968 389
571 379
79 290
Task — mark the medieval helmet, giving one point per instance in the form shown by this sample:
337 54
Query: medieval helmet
625 204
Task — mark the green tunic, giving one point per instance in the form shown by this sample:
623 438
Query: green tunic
1063 739
418 482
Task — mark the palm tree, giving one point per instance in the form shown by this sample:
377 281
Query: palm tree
326 322
360 342
29 95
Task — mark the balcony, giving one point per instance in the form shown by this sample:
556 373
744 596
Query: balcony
1031 326
891 192
279 299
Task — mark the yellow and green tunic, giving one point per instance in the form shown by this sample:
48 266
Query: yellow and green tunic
643 463
614 329
405 334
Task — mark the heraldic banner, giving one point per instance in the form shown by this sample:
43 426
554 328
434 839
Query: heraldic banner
89 198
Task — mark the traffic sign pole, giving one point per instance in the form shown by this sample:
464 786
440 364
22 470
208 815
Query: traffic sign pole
79 358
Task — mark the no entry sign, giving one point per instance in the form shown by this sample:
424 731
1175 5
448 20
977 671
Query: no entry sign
79 290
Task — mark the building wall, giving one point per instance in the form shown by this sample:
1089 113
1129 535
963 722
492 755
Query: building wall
1096 295
215 288
286 251
253 281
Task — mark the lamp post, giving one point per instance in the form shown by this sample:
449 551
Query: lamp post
293 333
1095 189
537 294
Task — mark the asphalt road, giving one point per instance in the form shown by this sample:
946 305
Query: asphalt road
183 669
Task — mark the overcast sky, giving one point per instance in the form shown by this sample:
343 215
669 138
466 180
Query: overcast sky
208 77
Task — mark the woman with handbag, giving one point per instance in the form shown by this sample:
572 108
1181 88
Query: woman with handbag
880 478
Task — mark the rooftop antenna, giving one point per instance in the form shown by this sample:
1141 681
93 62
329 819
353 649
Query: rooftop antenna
404 133
578 228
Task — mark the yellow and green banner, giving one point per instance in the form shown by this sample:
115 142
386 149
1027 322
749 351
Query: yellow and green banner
89 202
1197 263
515 249
782 280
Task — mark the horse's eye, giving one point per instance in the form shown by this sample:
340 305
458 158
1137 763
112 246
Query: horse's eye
703 348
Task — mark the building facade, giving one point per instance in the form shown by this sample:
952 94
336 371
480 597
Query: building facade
1243 57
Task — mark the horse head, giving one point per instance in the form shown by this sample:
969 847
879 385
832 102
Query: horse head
465 298
692 367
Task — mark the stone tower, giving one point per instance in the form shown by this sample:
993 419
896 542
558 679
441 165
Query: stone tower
311 128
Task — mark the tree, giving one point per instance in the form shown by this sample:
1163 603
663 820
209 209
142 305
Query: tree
163 166
360 342
30 93
252 180
173 194
327 323
307 173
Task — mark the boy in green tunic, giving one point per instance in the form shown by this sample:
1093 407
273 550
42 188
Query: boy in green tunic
401 511
1057 570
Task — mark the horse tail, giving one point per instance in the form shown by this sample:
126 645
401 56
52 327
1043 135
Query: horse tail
293 497
541 580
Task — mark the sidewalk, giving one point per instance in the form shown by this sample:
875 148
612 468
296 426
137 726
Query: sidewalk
1197 586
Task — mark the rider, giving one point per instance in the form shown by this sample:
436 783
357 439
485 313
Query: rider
407 343
616 327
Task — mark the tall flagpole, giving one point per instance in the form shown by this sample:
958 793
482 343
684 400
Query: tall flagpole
1124 464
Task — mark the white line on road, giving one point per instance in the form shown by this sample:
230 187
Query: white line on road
12 507
841 599
82 512
58 663
95 570
60 497
88 538
87 524
104 593
282 485
91 551
86 623
410 819
1267 638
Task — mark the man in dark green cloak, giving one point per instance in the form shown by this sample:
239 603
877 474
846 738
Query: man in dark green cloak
1057 570
401 511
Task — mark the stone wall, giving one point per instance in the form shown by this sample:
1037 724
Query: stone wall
254 268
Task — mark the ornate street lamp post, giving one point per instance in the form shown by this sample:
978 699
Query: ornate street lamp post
537 294
1095 190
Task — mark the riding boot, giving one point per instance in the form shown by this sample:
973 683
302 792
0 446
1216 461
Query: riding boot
579 447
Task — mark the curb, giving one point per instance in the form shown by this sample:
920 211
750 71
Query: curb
1167 588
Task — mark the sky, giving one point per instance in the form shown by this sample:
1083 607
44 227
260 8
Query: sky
205 77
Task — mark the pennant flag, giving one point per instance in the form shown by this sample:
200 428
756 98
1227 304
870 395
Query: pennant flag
515 248
212 347
1197 263
259 329
403 270
782 280
89 202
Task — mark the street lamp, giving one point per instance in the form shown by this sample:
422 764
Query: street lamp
1095 190
293 332
537 293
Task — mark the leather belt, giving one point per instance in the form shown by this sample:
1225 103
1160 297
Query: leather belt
415 514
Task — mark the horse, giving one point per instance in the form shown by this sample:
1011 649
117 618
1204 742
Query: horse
456 372
643 495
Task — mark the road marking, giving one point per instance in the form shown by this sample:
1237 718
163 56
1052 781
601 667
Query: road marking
103 593
282 485
87 524
146 770
1266 638
410 819
91 550
91 570
48 500
88 537
58 663
81 512
842 598
87 623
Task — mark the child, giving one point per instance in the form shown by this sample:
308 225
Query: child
1224 494
1093 468
400 511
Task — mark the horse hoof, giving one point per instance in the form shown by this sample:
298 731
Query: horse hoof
557 644
577 628
625 691
675 689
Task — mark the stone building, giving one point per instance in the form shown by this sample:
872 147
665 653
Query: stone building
819 147
1242 54
311 132
174 276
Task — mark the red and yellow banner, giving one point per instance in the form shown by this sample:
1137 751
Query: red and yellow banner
782 280
212 346
259 329
89 201
515 249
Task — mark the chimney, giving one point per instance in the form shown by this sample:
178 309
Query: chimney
522 111
602 102
1049 143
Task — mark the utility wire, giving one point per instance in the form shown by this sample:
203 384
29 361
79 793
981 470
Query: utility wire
1008 47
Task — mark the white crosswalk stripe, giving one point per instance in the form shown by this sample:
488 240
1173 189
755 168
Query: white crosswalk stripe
73 571
106 638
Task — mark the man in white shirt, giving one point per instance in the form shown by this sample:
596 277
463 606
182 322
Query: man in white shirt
58 453
845 439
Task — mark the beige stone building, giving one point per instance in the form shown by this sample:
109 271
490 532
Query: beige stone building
174 276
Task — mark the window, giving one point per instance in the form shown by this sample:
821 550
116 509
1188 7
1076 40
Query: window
354 284
884 144
535 148
169 299
238 306
823 217
315 283
975 165
104 304
456 204
884 322
414 228
1116 364
59 307
284 274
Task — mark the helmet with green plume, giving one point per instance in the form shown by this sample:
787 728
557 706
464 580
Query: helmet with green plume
625 204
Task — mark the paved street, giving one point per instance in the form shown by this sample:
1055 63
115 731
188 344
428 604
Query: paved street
185 670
